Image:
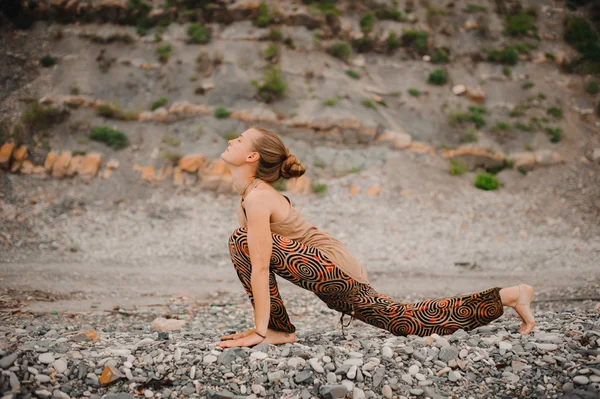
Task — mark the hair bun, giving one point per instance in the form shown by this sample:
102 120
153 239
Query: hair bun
291 167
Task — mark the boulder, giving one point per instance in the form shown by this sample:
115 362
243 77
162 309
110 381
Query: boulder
60 166
90 166
5 154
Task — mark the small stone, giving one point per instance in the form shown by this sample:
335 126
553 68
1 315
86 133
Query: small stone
46 358
352 372
60 366
8 361
414 369
387 352
448 353
148 393
547 347
258 355
387 391
581 380
314 363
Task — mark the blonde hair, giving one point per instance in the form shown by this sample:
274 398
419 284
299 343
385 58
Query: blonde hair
275 159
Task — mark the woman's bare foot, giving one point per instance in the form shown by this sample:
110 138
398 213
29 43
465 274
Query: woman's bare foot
279 337
522 308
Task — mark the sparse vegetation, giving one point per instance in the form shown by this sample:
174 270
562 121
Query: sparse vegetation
501 126
272 52
275 35
469 136
352 73
486 181
114 112
506 56
456 168
516 112
171 140
164 51
325 7
172 157
506 71
160 102
389 13
415 40
368 103
221 113
523 126
475 115
319 188
40 117
393 42
556 112
330 102
438 77
527 85
111 137
341 50
263 19
140 9
367 22
580 34
474 8
440 55
592 87
198 33
414 92
273 85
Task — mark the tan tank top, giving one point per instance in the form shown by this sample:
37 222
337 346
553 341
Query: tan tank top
296 228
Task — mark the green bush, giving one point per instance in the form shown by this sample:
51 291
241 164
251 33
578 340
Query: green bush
476 116
273 85
141 10
393 42
272 52
473 8
458 117
263 19
592 87
47 61
414 92
556 112
555 133
163 51
516 112
527 85
110 137
523 126
352 73
341 50
438 77
40 117
580 34
171 140
501 126
275 35
221 113
368 103
520 24
367 22
198 34
469 136
440 55
486 181
456 168
507 56
415 40
160 102
330 102
289 42
364 44
325 7
319 188
390 13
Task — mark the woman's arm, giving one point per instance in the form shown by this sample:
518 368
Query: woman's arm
260 244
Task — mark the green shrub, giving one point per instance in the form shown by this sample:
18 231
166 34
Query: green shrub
289 42
516 112
272 52
440 55
273 85
549 56
393 42
507 56
469 136
390 13
580 34
506 71
486 181
414 92
456 168
47 61
352 73
110 137
114 112
367 22
368 103
556 112
263 19
341 50
330 102
275 35
555 133
457 118
171 140
141 10
221 113
198 34
163 51
476 116
473 8
364 44
415 40
325 7
520 24
438 77
527 85
592 87
501 126
523 126
160 102
319 188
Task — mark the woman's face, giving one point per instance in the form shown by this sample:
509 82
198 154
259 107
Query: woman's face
240 148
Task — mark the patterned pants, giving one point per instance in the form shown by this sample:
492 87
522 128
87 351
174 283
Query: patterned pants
309 268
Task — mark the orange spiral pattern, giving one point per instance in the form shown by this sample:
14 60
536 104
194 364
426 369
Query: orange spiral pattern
309 268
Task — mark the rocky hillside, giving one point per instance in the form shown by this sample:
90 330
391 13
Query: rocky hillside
147 93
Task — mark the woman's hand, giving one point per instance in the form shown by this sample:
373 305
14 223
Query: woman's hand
238 335
249 340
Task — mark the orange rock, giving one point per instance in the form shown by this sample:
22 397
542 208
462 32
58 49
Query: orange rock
148 173
476 95
217 168
374 191
524 160
38 170
178 176
164 172
110 374
353 190
242 115
112 164
422 148
20 154
367 133
27 167
90 166
105 174
49 162
5 153
59 168
92 335
75 165
191 163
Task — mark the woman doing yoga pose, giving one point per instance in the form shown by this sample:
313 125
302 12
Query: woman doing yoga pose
275 240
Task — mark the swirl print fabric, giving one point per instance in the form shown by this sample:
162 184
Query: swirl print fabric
307 267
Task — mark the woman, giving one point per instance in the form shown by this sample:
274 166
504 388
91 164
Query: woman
275 239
